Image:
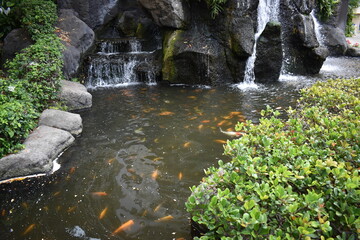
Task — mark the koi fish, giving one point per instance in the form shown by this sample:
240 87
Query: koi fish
71 209
155 174
187 144
72 170
180 176
123 227
220 141
166 113
200 126
205 121
103 213
29 229
163 219
99 194
157 207
232 134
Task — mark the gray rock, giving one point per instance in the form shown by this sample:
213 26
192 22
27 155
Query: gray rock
42 147
167 13
14 42
77 38
353 52
70 122
269 54
95 13
75 95
335 40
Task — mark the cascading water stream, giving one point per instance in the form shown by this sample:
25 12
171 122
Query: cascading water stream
267 11
319 36
120 62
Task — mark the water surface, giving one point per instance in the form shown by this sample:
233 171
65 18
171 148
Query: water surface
141 149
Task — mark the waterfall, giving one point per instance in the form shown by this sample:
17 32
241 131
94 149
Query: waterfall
120 62
268 10
319 36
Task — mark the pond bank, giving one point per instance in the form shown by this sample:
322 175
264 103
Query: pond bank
54 135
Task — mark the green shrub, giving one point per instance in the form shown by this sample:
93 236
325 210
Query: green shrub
294 179
33 76
17 116
326 8
40 65
39 17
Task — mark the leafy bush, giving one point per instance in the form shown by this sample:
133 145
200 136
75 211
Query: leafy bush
326 8
39 17
33 76
40 66
17 116
294 179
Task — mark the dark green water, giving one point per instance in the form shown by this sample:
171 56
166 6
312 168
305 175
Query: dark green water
142 147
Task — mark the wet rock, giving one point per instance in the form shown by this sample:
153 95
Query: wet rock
75 95
301 48
70 122
353 52
77 38
167 13
14 42
193 57
335 40
42 147
95 13
269 54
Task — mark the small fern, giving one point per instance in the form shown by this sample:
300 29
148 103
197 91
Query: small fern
216 6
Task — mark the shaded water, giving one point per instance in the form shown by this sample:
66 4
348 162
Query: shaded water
141 149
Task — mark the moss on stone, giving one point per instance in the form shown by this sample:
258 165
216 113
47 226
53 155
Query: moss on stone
168 68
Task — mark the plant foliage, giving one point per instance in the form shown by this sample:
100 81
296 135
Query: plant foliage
33 76
326 8
350 30
294 179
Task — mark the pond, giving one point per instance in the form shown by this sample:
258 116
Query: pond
141 149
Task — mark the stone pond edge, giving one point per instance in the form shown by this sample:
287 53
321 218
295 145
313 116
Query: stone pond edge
55 133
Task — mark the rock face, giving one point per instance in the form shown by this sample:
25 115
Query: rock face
41 148
301 48
269 54
77 38
75 95
69 122
14 42
95 13
167 13
333 30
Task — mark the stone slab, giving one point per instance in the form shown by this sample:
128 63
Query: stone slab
70 122
42 147
75 95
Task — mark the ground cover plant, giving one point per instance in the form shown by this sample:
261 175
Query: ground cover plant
32 78
293 179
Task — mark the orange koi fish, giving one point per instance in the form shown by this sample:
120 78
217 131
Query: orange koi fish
157 207
155 174
123 227
72 170
99 194
166 113
220 141
187 144
205 121
29 229
103 213
71 209
180 176
163 219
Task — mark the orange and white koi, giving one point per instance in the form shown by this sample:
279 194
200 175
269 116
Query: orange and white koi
232 134
166 218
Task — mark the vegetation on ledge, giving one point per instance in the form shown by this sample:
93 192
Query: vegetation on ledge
33 76
294 179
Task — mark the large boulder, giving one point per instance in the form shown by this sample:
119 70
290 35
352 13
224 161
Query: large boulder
67 121
192 58
77 38
42 147
167 13
14 42
269 54
75 95
95 13
302 51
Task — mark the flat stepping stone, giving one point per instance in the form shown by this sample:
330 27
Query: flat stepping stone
70 122
75 95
